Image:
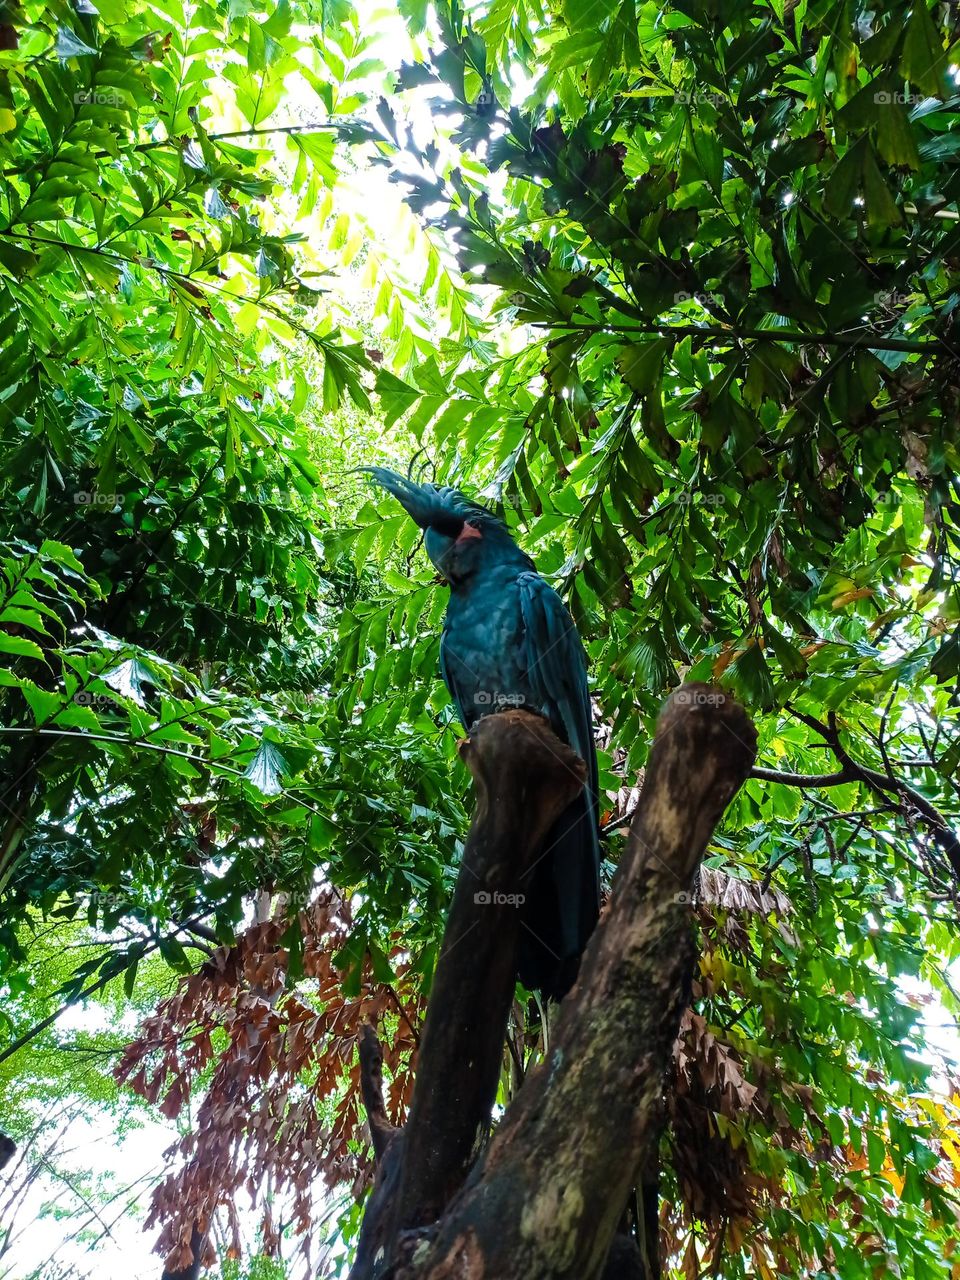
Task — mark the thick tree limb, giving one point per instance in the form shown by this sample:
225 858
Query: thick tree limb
525 777
545 1200
388 1145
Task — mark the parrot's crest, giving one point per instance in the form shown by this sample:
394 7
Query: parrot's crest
434 506
450 521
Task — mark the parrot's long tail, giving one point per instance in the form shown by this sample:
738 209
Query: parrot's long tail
562 901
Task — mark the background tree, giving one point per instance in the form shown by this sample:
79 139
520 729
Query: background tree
702 351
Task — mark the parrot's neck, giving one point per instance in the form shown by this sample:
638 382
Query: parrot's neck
492 574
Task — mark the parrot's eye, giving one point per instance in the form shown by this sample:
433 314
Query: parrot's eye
449 526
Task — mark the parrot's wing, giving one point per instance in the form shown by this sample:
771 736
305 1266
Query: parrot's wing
557 667
461 697
564 898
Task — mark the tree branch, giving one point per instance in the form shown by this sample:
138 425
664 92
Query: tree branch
726 334
883 784
808 781
525 777
547 1196
382 1132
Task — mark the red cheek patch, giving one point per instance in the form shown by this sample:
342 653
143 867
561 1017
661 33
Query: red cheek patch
468 531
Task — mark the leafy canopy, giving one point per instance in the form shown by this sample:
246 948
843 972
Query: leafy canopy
698 342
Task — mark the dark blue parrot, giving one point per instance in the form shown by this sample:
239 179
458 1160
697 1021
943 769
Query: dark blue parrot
508 640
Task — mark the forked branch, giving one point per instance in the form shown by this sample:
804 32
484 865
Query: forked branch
545 1196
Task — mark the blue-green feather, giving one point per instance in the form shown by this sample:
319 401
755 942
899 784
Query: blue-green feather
508 640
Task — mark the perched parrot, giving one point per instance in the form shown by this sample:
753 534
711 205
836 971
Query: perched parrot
508 641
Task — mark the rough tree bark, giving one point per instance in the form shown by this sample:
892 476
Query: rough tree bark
544 1198
462 1042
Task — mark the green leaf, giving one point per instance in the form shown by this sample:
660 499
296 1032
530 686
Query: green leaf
752 677
882 209
69 45
895 140
266 768
791 661
641 364
844 182
876 1151
708 156
924 60
20 646
396 396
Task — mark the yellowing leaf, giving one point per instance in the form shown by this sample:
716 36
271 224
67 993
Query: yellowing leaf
893 1178
724 660
848 597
